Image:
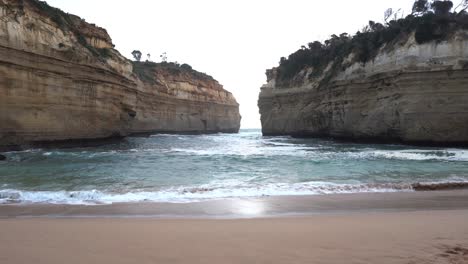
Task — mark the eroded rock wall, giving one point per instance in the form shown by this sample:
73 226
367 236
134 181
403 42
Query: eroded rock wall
61 79
180 101
411 93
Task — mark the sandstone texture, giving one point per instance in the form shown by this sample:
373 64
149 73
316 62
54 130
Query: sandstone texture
61 79
408 93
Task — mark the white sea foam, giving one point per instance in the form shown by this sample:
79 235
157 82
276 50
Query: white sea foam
217 189
198 193
248 150
153 157
415 154
319 153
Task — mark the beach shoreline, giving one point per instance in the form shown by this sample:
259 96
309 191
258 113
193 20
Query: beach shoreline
261 207
394 228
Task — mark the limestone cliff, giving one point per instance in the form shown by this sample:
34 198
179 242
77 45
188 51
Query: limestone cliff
61 79
409 92
174 99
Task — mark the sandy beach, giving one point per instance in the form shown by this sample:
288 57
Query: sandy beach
409 228
398 237
233 132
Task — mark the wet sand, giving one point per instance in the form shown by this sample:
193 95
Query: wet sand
255 207
407 228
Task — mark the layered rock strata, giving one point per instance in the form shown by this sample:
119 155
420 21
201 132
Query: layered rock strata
410 93
61 79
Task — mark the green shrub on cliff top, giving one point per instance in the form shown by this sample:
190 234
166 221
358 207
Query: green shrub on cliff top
430 21
145 70
65 23
56 15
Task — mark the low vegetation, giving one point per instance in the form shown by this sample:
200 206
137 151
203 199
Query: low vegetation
58 16
65 23
146 70
429 21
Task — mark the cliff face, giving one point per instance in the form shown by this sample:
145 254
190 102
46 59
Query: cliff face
409 93
175 99
61 79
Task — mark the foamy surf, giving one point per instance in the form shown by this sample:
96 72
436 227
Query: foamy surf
205 192
191 168
325 153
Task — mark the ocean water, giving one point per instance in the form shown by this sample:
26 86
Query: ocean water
191 168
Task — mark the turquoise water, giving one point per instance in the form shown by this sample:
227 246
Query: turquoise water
187 168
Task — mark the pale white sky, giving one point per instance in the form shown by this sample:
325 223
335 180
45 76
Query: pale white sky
234 41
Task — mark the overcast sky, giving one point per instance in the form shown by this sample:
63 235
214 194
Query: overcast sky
234 41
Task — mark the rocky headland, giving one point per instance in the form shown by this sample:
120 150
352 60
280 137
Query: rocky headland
62 80
405 81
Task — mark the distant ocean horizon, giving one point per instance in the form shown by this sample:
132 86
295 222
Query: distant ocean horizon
192 168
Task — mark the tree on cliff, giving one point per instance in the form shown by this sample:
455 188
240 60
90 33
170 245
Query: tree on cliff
440 8
431 20
420 7
163 57
137 55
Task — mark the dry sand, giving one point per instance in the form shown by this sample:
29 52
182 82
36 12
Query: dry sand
390 237
407 228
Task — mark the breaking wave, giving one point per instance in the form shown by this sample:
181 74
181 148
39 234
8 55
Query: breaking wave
191 168
208 192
